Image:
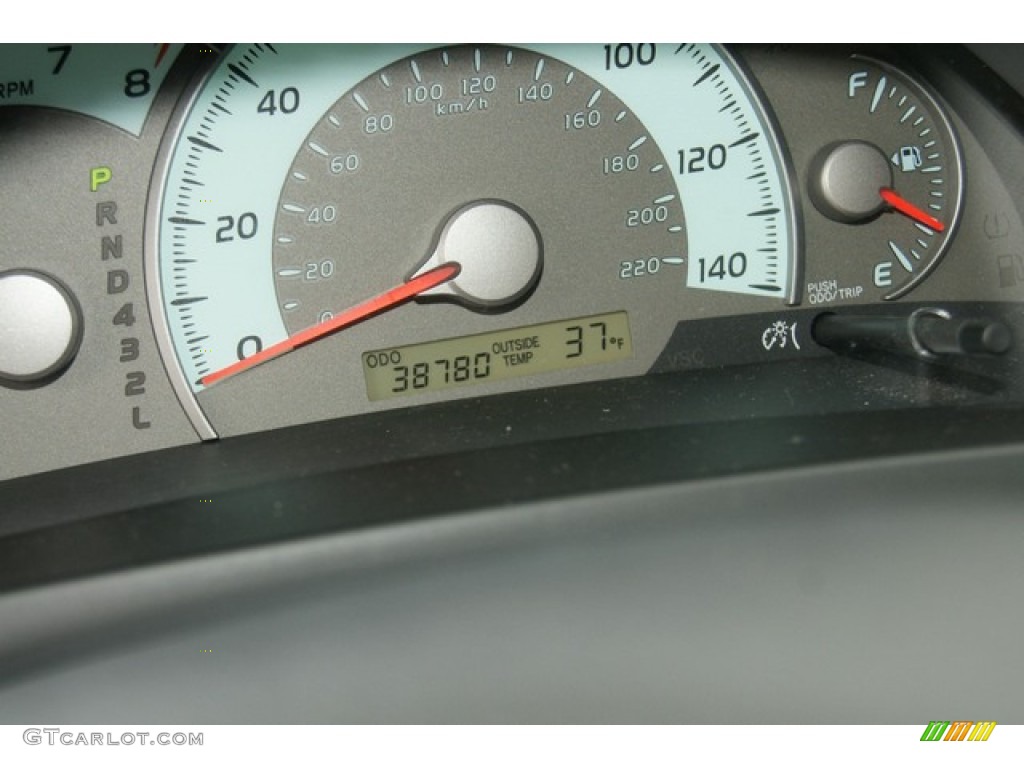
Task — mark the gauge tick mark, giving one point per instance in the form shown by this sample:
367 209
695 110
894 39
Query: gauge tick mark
241 74
709 72
744 139
203 144
188 300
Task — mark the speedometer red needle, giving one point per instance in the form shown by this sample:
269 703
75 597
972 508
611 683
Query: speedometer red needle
907 208
380 303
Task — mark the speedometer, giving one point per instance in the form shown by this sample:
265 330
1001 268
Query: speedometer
338 226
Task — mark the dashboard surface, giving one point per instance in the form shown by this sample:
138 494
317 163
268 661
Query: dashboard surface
618 382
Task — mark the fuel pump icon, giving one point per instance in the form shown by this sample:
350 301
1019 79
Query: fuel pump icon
907 159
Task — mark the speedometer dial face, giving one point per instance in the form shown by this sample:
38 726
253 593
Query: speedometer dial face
326 208
391 160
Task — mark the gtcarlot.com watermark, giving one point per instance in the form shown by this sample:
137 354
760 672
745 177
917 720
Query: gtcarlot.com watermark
55 736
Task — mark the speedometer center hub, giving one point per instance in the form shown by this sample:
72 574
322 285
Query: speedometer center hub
498 249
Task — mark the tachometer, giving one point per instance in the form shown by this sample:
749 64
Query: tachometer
113 83
428 222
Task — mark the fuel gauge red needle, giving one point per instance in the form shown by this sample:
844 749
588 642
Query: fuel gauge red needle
907 208
380 303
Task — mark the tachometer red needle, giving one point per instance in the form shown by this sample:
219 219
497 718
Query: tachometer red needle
161 53
907 208
380 303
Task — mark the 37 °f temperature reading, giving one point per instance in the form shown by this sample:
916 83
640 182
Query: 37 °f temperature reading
438 365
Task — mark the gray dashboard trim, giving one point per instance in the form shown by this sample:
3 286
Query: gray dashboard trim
867 592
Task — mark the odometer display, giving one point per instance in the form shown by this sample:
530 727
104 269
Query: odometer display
534 349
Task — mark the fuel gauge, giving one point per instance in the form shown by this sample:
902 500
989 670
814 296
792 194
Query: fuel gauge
894 181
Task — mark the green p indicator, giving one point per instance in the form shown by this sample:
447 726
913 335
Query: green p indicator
98 176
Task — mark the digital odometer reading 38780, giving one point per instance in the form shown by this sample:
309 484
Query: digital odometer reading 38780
505 354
